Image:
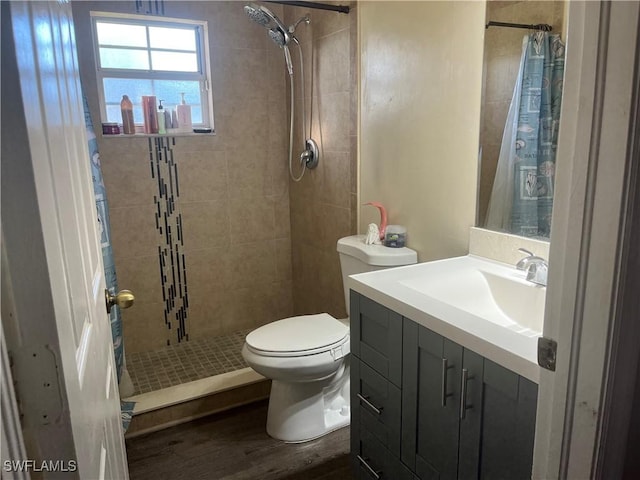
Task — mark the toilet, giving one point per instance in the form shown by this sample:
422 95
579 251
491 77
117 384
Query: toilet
307 357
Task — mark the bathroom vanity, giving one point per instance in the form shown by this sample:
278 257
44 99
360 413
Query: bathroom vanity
437 391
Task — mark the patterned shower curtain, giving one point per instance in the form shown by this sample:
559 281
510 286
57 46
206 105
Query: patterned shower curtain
105 239
109 267
522 197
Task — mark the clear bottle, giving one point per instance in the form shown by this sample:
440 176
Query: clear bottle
126 108
168 124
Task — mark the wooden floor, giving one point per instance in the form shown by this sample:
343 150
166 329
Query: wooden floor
234 446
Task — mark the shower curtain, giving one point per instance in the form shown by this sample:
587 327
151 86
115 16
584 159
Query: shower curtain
124 380
522 196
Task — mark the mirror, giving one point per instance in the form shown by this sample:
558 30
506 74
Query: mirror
523 187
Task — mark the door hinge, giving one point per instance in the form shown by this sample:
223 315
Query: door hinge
547 350
35 372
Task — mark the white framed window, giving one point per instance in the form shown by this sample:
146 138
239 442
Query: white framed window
140 55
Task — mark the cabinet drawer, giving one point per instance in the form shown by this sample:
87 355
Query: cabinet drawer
370 460
376 337
375 405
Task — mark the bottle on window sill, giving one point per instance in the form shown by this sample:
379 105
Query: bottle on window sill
150 115
126 109
161 124
184 116
168 124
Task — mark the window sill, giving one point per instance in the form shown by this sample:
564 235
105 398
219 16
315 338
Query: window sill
159 135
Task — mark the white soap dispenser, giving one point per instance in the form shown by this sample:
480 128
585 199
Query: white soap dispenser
184 116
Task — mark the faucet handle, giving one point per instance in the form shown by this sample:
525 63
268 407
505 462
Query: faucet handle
528 252
537 273
524 262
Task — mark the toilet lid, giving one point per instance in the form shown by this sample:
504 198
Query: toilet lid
296 334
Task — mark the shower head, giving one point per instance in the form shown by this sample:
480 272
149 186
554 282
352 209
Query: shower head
278 36
255 13
278 32
264 17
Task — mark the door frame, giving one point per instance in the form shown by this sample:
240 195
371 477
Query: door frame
620 424
587 235
11 439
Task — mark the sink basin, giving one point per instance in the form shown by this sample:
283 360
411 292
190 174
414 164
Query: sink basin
488 290
485 306
519 300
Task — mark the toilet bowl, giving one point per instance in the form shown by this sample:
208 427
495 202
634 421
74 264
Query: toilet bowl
307 357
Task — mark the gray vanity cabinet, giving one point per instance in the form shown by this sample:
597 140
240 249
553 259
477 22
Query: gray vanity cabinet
376 337
424 407
463 416
376 380
431 403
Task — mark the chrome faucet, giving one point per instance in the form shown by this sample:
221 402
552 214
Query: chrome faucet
536 267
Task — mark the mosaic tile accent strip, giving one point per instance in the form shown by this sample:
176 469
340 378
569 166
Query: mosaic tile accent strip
173 270
186 361
149 7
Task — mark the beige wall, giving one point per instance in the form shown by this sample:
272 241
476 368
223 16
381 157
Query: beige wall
234 188
323 203
420 88
503 49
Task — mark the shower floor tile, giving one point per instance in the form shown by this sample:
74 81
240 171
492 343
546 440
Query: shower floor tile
186 361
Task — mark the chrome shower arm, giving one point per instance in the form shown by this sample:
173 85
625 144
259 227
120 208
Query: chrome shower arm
304 19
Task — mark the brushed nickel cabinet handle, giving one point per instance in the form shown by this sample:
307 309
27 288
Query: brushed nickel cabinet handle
366 401
445 368
463 394
373 473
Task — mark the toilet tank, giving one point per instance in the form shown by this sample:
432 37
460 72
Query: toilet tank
357 257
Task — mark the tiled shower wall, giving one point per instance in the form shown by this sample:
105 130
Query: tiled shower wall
324 203
257 247
233 189
502 52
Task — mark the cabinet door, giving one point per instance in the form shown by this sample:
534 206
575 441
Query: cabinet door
375 405
470 413
508 424
432 368
370 460
376 337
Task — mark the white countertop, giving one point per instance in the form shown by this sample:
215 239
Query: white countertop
515 350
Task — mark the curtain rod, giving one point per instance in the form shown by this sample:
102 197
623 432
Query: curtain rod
540 26
318 6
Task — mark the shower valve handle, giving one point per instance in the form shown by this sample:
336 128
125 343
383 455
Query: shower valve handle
311 155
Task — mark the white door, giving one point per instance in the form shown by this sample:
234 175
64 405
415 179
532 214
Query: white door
80 345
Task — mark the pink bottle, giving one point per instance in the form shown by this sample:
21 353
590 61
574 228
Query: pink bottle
150 114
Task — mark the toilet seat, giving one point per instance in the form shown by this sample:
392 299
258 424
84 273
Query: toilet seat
299 336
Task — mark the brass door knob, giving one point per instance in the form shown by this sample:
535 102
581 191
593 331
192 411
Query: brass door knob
124 299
